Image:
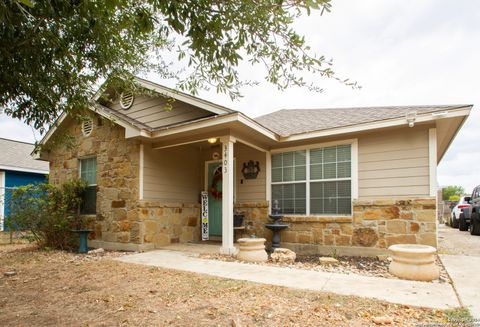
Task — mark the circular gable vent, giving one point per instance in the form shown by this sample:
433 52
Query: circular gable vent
87 127
126 100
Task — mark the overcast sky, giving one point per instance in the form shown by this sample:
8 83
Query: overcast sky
401 53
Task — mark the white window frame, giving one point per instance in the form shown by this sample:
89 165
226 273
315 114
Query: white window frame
353 175
80 168
80 171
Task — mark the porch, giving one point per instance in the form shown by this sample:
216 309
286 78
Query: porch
173 174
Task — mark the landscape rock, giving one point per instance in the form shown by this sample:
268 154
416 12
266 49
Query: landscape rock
382 320
328 261
382 257
9 273
95 251
283 255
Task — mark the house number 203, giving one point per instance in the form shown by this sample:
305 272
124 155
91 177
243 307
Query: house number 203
225 158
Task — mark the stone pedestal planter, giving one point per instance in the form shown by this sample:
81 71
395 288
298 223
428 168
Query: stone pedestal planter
414 262
252 250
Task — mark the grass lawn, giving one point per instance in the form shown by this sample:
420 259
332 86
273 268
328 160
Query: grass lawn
58 288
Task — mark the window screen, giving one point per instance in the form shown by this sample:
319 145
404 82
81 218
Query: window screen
88 172
327 189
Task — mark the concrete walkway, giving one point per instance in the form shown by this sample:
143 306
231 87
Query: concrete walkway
432 295
465 274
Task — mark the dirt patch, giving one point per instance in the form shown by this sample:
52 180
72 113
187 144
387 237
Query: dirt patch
365 266
58 288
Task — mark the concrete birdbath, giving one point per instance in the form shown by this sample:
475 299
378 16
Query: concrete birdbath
414 262
252 250
277 226
83 245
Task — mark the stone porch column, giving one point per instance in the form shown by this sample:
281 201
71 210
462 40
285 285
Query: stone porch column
227 195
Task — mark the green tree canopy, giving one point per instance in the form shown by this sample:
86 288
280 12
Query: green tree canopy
452 190
53 53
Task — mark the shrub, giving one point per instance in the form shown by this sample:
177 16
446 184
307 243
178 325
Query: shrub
48 212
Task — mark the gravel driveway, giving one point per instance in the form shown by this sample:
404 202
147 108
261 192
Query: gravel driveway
453 241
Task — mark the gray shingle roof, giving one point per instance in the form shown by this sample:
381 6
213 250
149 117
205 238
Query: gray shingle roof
288 122
17 154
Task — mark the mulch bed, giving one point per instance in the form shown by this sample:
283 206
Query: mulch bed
366 266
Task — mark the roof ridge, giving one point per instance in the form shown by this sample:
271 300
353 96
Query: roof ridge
381 107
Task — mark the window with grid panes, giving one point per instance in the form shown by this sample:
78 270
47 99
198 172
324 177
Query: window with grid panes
88 172
328 185
289 177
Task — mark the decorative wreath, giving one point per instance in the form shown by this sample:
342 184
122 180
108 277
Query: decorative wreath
217 177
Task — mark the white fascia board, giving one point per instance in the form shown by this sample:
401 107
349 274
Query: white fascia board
217 120
130 131
194 101
25 170
52 129
451 140
376 125
257 127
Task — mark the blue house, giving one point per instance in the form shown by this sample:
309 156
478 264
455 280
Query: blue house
17 168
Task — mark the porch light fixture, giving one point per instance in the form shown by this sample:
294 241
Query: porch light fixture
212 140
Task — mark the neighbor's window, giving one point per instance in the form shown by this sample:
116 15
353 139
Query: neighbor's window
88 172
313 181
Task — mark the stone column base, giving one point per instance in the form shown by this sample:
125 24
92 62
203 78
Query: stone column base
228 250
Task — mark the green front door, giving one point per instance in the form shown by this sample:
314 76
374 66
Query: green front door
214 188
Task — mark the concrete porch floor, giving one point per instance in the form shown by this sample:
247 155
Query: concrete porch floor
422 294
208 247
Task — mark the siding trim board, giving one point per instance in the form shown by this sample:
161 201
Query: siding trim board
432 144
2 200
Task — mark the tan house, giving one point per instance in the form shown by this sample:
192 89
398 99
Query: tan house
357 179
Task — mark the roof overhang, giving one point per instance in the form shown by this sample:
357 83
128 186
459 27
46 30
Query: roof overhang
447 129
24 170
396 122
130 129
180 96
235 124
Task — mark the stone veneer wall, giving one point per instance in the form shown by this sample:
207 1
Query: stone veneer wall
373 227
117 176
393 221
122 221
167 223
256 216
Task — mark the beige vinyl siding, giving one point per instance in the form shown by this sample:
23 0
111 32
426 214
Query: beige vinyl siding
249 190
152 111
393 164
171 175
